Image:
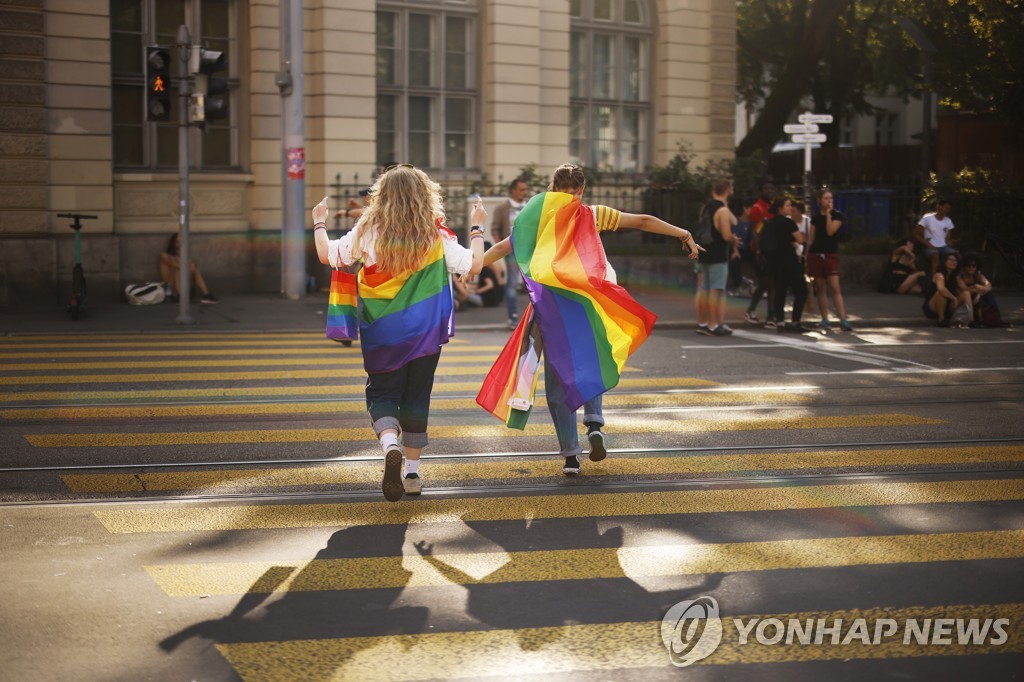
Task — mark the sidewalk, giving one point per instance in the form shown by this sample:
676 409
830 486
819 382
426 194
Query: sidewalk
270 312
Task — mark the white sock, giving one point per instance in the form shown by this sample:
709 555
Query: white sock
412 466
388 441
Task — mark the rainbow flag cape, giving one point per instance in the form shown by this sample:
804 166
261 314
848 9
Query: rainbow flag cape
342 306
405 317
588 325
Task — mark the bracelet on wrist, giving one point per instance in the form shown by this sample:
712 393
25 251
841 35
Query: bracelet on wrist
319 226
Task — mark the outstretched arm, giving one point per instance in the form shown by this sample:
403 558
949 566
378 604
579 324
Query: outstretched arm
648 223
498 251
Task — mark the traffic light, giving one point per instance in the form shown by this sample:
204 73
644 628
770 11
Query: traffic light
210 101
158 83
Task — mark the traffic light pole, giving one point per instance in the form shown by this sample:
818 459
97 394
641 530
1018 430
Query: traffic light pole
293 176
184 41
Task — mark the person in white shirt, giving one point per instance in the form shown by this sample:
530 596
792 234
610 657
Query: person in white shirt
932 233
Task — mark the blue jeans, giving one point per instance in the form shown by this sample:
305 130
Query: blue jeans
564 418
511 284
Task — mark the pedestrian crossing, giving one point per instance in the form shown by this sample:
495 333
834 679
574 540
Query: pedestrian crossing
503 568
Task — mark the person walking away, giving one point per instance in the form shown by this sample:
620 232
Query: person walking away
823 260
579 320
501 226
713 263
405 306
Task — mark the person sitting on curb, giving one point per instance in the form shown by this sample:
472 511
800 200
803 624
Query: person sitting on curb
983 301
170 265
901 275
943 296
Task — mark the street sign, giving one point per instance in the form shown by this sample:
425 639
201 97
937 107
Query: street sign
811 138
814 118
791 128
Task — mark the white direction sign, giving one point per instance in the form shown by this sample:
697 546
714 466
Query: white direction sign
791 128
814 118
810 138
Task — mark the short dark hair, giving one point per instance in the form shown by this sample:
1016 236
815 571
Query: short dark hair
777 203
522 179
971 259
943 201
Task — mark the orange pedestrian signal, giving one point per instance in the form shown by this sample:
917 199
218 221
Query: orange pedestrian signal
158 75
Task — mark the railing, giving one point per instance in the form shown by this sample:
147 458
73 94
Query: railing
874 213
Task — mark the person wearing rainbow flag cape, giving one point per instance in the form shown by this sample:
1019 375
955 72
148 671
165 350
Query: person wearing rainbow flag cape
579 321
404 307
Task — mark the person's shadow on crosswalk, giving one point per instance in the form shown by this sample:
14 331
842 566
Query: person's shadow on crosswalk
310 609
534 599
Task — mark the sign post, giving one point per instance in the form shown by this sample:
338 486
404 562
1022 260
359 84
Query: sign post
806 132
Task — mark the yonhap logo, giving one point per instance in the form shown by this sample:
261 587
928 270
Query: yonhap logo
691 630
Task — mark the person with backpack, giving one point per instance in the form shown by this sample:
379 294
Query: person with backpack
714 235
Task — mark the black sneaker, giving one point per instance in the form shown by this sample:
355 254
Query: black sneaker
597 449
703 329
571 466
208 298
392 485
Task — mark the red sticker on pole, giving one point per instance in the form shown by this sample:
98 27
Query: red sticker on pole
296 163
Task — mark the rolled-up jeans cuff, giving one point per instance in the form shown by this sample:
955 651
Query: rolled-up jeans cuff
596 419
385 423
414 440
570 452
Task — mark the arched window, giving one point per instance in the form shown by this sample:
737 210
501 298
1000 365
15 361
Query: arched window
609 82
427 83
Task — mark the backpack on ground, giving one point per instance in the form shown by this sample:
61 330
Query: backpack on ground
148 293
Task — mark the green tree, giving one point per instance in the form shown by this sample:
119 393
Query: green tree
836 53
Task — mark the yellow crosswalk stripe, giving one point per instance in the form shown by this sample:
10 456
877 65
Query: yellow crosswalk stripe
649 561
489 430
591 647
323 389
341 473
269 375
611 400
224 517
463 355
326 348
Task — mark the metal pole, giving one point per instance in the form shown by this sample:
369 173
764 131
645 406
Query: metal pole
807 177
926 118
293 233
183 40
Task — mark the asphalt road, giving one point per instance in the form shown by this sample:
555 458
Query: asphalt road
207 507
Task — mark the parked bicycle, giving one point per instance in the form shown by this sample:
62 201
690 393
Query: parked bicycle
78 293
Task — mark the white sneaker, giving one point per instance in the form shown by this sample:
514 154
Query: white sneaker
571 466
413 484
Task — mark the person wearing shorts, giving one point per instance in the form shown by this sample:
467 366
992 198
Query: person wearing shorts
823 260
713 266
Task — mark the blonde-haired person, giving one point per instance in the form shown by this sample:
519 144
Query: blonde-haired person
405 311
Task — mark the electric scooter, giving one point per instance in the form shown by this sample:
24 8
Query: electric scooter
78 274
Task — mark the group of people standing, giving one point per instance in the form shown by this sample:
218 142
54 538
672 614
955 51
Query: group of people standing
784 246
579 321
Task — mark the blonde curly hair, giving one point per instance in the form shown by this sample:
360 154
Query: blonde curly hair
404 208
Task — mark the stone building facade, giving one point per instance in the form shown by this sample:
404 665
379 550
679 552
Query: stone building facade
459 87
